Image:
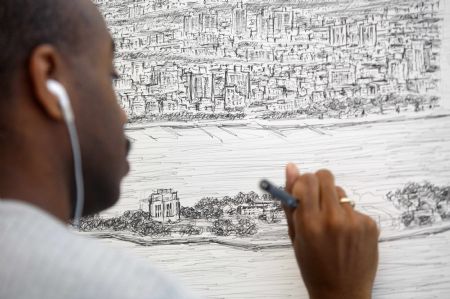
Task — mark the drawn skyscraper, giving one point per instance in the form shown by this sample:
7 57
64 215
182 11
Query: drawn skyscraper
239 19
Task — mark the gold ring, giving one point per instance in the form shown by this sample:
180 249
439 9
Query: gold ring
347 200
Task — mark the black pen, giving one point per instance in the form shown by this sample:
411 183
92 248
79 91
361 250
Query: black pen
279 194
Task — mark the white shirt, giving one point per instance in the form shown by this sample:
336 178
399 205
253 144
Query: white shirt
41 258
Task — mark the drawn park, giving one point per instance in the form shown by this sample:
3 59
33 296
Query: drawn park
243 215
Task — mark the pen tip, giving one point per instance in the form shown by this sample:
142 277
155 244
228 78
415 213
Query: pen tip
264 184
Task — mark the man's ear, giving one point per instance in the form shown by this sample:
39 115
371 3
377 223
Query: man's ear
44 64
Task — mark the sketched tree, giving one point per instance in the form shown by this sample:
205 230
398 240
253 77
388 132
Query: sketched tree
252 197
228 206
91 223
190 230
190 213
443 203
246 227
222 227
209 207
246 198
420 202
239 199
155 229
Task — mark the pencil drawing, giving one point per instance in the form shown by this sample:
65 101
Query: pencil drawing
222 93
225 59
164 215
243 215
422 203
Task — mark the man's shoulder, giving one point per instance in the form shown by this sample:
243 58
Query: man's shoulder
38 250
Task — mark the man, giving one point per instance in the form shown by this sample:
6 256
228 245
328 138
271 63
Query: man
67 41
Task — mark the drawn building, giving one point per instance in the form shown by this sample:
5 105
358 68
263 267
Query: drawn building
191 23
164 205
239 78
199 88
261 25
416 59
341 76
338 35
239 19
368 35
209 21
256 209
239 57
135 11
138 106
283 22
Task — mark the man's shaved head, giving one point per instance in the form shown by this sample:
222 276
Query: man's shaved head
25 24
66 41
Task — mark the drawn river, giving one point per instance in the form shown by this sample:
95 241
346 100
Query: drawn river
368 159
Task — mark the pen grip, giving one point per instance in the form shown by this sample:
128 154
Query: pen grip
285 197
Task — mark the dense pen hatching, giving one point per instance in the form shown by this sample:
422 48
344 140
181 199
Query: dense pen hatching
188 60
161 215
421 203
220 94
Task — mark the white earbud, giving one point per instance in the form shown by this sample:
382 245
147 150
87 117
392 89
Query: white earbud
64 102
60 92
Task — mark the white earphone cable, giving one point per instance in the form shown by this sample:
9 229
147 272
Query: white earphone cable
60 92
79 204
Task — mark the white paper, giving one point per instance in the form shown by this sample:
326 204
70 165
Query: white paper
371 149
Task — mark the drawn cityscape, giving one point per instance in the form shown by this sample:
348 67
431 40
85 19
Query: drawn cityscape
257 59
190 202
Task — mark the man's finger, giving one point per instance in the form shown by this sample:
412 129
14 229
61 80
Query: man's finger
306 190
290 222
340 192
292 173
328 195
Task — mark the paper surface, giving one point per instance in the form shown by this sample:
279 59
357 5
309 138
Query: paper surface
221 94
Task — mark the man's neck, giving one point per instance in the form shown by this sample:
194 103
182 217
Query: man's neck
44 189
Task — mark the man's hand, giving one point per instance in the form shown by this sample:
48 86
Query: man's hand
335 246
